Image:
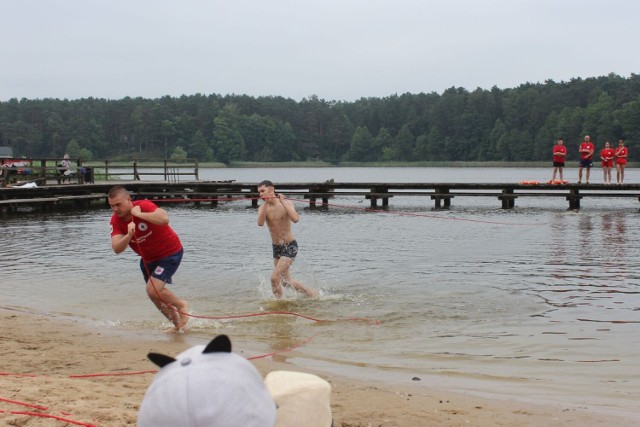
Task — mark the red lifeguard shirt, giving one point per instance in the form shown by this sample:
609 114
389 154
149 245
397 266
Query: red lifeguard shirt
559 149
152 242
607 156
622 152
588 146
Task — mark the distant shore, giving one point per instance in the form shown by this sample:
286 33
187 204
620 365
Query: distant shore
323 164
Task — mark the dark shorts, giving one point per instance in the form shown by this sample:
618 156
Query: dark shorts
586 163
289 250
558 164
162 269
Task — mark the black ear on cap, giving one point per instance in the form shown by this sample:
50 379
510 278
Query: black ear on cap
220 344
161 360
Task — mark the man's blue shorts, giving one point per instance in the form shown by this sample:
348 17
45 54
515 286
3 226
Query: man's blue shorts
586 163
162 269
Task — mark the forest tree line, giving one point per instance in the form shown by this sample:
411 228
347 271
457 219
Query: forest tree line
515 124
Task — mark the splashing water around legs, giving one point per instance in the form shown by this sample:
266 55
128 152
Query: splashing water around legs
281 277
172 307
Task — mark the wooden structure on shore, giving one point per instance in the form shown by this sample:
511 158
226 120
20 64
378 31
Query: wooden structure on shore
318 194
46 171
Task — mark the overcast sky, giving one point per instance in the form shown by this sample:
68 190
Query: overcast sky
335 49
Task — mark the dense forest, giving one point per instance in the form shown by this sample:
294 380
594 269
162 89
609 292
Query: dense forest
516 124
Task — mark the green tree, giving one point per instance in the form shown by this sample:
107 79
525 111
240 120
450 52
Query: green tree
167 131
361 143
199 147
422 150
382 140
85 155
73 149
404 144
499 142
435 145
179 154
227 142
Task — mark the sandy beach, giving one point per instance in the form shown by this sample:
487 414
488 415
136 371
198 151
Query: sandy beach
48 367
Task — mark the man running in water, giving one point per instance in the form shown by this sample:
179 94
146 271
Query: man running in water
279 213
144 227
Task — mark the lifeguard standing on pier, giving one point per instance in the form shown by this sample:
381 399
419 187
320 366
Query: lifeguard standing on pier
621 161
559 157
586 157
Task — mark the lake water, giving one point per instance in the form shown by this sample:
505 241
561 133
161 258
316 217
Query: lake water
536 303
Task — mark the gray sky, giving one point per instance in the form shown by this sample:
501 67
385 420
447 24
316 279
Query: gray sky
335 49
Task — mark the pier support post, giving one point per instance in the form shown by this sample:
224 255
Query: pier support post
441 198
574 198
375 194
312 202
508 198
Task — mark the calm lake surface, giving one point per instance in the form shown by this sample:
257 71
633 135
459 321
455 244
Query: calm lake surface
537 303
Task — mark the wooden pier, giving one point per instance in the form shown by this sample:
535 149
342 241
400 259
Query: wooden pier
318 195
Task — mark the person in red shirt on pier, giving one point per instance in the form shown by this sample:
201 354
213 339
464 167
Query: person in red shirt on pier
586 151
559 156
606 154
621 161
144 227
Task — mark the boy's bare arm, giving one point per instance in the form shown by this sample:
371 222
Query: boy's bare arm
291 210
262 214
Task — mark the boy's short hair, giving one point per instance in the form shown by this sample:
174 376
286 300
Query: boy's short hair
266 183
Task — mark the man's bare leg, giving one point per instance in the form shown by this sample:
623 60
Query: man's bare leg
298 286
176 310
281 277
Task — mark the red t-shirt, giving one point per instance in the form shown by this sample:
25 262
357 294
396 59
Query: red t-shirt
622 152
152 242
559 149
607 156
589 146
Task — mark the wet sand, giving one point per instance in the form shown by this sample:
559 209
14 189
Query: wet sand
46 380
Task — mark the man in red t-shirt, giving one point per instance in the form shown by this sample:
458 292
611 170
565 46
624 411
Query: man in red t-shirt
144 227
559 156
586 157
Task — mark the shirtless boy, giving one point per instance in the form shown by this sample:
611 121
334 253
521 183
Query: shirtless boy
279 213
144 227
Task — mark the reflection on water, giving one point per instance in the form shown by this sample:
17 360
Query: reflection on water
539 299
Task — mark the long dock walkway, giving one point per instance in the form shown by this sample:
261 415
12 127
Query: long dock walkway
318 194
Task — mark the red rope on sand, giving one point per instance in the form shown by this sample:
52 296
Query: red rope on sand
38 414
7 374
113 374
28 405
55 417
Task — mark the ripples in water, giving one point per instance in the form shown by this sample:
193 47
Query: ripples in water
544 297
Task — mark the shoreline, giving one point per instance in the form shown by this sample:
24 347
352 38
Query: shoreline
47 363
